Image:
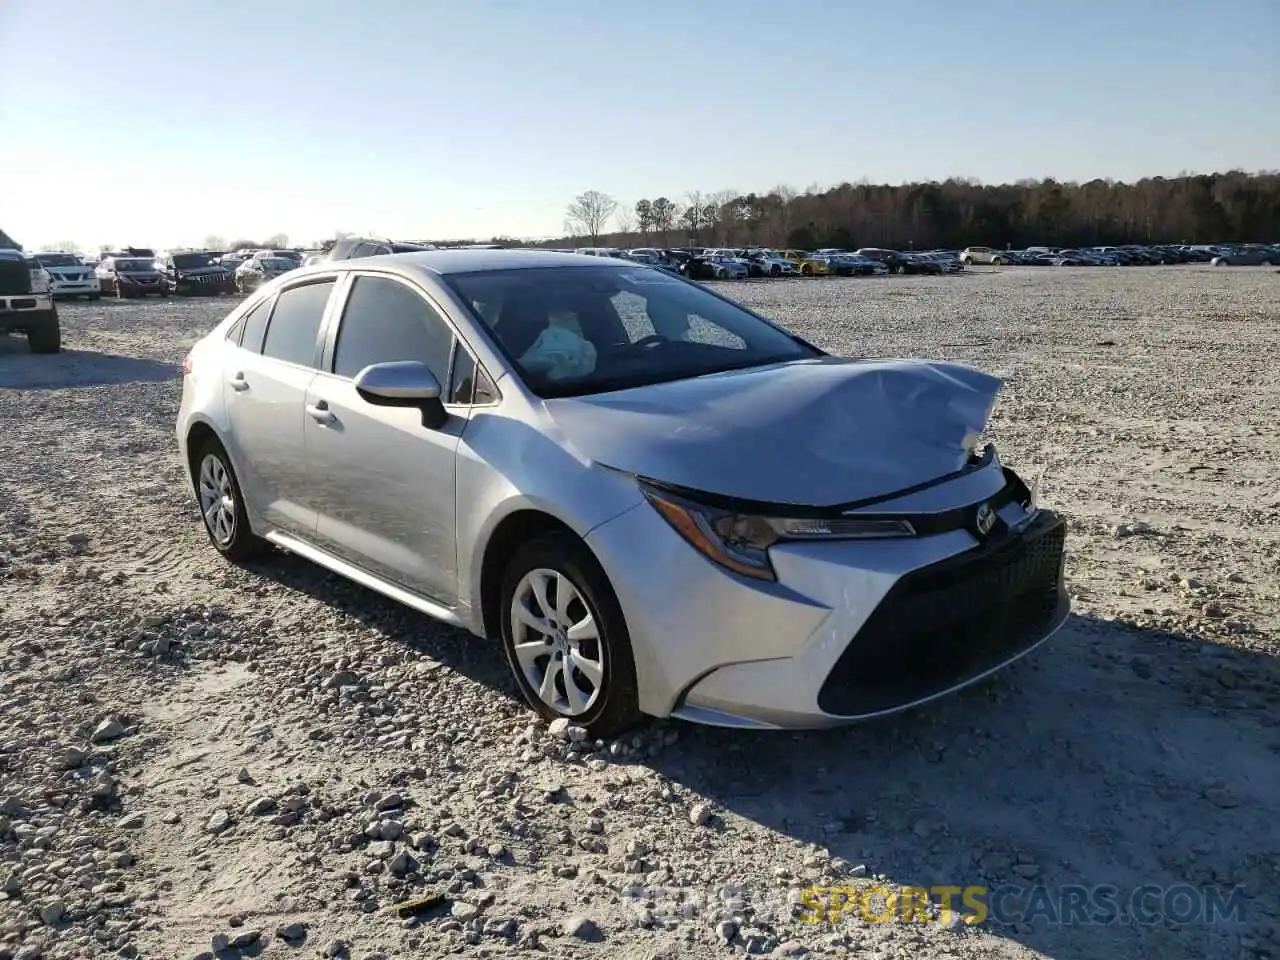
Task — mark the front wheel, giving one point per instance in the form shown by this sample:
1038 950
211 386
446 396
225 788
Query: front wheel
565 637
996 262
222 504
44 335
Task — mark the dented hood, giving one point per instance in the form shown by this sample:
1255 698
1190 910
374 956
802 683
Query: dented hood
814 432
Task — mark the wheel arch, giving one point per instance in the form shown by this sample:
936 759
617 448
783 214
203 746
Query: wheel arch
198 433
515 529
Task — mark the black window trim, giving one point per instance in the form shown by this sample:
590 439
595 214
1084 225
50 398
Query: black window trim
318 347
338 307
250 305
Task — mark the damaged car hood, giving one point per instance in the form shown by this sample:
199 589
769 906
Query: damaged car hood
814 432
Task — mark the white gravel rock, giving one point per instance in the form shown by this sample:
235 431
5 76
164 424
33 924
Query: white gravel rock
152 692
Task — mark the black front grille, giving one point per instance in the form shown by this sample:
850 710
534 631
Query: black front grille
951 621
15 277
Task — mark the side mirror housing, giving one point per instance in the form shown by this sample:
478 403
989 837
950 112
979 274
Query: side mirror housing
403 383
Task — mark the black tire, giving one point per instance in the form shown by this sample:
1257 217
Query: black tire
44 335
243 543
94 296
617 706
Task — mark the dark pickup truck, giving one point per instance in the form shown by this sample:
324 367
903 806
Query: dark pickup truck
26 305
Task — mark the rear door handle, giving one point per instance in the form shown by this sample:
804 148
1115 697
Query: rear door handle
320 412
238 382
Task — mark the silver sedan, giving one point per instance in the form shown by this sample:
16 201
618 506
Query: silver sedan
657 501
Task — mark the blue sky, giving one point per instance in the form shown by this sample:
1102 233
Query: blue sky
163 121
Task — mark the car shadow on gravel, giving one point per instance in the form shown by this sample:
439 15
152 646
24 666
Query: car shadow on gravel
1111 756
456 649
20 369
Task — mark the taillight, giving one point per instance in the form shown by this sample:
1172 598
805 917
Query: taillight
186 365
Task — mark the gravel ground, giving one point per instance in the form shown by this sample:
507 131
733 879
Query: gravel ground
198 759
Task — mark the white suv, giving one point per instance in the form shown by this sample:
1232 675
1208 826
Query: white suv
69 276
972 255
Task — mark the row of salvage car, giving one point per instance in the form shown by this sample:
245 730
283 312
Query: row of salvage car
723 263
141 272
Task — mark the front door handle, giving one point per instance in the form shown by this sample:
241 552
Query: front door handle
320 412
238 382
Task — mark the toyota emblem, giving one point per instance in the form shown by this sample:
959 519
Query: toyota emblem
985 519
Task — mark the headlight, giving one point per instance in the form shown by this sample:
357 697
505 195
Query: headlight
740 542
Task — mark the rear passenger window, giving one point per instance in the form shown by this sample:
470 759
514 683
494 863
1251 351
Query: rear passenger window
295 323
385 321
253 325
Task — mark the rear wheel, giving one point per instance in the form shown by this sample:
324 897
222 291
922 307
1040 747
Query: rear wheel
222 504
44 335
565 636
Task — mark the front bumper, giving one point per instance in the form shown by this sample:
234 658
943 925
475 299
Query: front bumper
852 630
18 311
75 288
202 285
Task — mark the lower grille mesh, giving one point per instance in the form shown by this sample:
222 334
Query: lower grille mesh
951 621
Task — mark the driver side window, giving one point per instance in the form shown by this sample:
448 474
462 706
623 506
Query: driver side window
384 321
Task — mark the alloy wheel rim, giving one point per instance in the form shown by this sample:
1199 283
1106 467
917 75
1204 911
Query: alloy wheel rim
556 642
217 499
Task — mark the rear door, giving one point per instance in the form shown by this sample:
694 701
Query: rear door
265 393
384 482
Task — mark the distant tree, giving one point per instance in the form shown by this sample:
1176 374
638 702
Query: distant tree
67 246
625 221
243 244
644 217
699 212
1195 208
662 213
589 213
277 241
215 242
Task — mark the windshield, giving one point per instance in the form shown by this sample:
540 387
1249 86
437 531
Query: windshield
58 260
277 263
570 331
192 261
136 266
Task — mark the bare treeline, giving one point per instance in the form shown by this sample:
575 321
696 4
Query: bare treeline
1224 207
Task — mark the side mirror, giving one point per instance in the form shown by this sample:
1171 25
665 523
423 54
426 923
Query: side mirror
403 383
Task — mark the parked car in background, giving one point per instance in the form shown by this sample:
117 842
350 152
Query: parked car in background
592 462
125 277
807 265
774 264
724 267
260 269
26 303
919 263
69 276
1249 255
188 273
981 255
892 259
352 247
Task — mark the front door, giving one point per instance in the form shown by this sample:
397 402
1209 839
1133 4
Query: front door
384 483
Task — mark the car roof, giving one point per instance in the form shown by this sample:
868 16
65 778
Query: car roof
444 262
